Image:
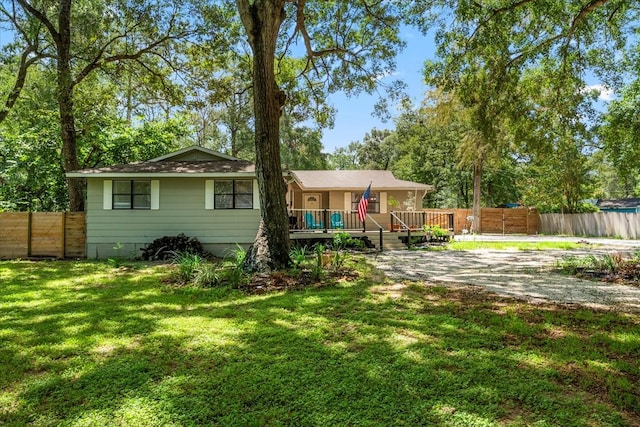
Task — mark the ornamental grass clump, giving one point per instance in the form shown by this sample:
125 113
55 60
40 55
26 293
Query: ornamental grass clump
207 275
316 272
298 257
188 264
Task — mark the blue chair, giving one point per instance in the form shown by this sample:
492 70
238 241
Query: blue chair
336 220
311 222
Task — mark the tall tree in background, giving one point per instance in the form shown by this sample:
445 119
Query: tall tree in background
344 158
346 45
31 170
378 150
100 33
484 47
428 152
301 147
620 135
554 143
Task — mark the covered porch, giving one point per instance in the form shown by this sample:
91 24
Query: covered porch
308 227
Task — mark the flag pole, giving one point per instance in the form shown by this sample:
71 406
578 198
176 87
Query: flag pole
363 206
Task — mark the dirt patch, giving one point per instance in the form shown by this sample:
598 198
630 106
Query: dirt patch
284 281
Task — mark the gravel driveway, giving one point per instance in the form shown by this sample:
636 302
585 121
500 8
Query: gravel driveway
523 275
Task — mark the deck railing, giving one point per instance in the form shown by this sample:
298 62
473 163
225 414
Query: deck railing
323 220
401 220
379 231
397 224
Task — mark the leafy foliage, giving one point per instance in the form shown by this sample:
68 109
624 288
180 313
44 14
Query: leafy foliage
298 256
435 230
619 132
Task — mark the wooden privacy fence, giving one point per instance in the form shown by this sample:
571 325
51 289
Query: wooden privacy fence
496 220
594 224
42 234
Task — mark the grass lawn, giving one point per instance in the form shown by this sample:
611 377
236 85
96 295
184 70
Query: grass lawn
86 344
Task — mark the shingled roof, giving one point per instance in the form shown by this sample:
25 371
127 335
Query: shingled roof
354 180
197 161
170 167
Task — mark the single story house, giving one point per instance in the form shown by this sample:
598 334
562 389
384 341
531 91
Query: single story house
214 197
629 205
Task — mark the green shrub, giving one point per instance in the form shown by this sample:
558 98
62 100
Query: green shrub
435 230
232 271
236 256
344 240
608 263
166 247
339 257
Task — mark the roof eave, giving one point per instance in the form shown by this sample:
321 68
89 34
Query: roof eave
427 189
161 174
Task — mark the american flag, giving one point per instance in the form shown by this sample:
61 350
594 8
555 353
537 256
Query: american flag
364 204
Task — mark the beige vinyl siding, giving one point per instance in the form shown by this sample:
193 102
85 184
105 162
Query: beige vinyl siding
336 200
341 200
346 201
181 210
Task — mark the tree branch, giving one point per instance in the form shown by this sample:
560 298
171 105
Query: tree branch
25 63
593 5
99 62
495 13
42 18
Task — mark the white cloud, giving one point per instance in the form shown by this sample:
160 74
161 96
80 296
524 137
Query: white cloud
606 93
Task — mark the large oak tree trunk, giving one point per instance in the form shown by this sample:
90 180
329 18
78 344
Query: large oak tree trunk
65 106
270 250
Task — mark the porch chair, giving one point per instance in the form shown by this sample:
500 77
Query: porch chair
311 223
336 220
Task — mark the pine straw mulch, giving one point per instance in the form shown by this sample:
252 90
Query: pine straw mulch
628 274
284 281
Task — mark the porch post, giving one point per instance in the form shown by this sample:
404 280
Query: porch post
325 220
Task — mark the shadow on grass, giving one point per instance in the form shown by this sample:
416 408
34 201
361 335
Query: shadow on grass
90 345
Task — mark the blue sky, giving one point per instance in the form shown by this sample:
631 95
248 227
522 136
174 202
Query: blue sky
353 119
